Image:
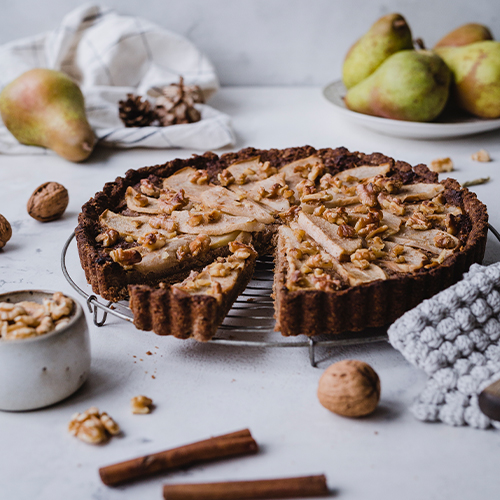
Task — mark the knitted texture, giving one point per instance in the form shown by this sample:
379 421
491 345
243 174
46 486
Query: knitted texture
454 338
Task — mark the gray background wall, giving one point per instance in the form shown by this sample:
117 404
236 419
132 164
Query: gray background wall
267 42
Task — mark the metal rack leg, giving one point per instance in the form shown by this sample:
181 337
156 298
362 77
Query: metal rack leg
93 309
312 345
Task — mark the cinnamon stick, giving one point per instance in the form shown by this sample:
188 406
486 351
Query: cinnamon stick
293 487
227 445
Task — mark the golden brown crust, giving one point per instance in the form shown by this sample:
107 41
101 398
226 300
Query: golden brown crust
304 311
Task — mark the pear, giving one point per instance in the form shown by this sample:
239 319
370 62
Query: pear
463 35
410 85
388 35
476 76
43 107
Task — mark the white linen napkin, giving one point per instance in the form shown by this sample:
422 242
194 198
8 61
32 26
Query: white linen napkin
455 338
110 55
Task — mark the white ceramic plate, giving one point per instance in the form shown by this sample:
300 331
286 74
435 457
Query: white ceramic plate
335 91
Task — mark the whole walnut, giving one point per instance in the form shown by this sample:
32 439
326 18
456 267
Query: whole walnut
349 388
48 202
5 231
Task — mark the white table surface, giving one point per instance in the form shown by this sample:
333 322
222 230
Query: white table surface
204 390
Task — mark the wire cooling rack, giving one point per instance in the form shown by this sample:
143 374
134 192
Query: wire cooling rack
250 322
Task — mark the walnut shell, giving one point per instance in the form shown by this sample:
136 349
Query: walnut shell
48 202
5 231
349 388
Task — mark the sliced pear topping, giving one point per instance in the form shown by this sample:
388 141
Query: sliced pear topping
141 203
357 276
268 192
326 234
419 191
182 180
126 226
299 170
404 260
363 172
250 170
188 222
229 202
425 240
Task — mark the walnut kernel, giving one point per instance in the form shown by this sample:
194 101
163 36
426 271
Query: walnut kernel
440 165
141 404
48 202
482 155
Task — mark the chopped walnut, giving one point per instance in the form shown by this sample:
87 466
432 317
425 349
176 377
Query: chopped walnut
169 202
318 261
141 404
326 283
419 221
199 177
320 196
396 253
225 177
201 244
444 241
369 225
58 306
152 241
163 222
336 215
219 269
93 427
482 155
377 243
305 187
346 231
300 234
390 203
296 253
368 194
268 169
141 200
315 172
290 214
212 216
126 258
440 165
429 207
195 220
108 238
308 248
326 181
387 184
318 211
240 250
182 253
149 189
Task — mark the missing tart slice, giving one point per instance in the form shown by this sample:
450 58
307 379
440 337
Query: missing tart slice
357 239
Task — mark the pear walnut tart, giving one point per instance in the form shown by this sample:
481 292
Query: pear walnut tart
357 239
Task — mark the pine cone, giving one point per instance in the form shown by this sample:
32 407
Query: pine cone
176 104
134 112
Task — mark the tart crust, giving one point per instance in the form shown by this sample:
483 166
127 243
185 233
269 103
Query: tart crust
302 311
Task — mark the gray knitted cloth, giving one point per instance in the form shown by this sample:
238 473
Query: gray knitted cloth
454 338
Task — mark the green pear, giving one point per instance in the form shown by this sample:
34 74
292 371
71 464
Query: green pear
410 85
43 107
463 35
388 35
476 76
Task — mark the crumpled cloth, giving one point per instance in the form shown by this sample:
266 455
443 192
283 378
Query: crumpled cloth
110 55
454 337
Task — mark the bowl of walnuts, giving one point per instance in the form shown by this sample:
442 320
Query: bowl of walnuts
44 349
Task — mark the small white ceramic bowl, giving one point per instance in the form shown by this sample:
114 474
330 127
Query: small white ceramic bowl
43 370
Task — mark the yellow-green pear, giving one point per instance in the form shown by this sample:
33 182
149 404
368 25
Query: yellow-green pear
43 107
465 34
476 76
410 85
388 35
